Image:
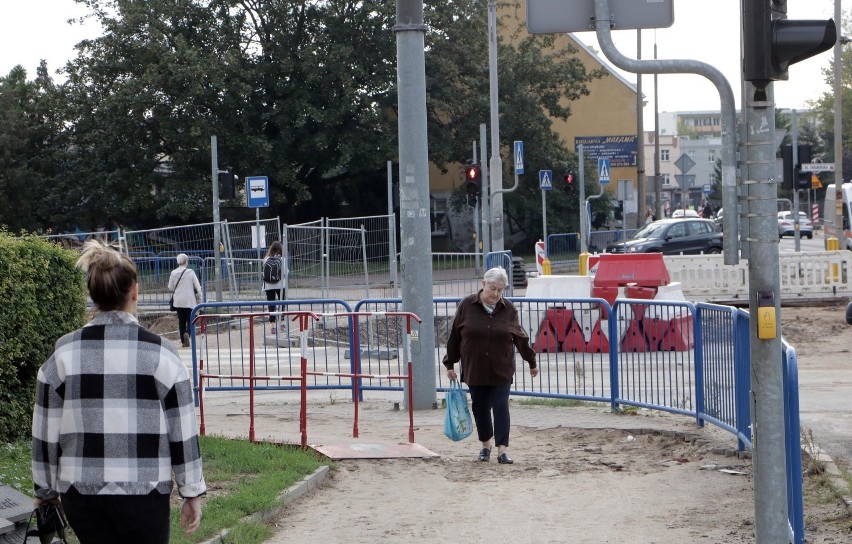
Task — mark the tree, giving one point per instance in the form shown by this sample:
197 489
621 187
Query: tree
304 93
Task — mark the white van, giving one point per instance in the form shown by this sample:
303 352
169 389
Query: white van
830 211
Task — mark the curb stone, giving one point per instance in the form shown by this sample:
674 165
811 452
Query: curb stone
834 475
308 483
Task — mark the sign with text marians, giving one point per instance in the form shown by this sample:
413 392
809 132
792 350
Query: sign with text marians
620 150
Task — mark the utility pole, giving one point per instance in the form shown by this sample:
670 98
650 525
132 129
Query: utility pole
217 242
770 44
838 135
415 230
640 142
496 165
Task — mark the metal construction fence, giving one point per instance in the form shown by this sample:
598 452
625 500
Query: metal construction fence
676 357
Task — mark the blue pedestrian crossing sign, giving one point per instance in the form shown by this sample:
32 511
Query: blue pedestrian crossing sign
519 157
603 171
545 179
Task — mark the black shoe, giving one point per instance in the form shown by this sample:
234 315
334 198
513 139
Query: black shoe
504 459
485 454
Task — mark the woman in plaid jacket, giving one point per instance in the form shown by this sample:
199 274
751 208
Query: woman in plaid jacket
114 421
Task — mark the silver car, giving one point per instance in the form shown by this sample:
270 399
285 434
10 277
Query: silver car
786 226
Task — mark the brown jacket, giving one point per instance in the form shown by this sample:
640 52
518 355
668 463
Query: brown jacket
484 342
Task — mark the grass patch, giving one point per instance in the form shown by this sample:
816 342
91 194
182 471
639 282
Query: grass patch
242 478
557 403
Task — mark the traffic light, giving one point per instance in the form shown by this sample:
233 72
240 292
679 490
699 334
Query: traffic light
472 177
794 178
771 43
228 180
569 187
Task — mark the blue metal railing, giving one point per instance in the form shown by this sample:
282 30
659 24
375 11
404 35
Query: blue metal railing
677 357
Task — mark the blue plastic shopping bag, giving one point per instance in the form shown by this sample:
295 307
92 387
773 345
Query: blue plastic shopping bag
458 424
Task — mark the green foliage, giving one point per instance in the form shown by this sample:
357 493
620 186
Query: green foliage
244 478
15 463
304 93
44 298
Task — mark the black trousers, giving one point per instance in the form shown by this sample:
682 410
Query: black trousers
488 399
129 519
274 294
183 320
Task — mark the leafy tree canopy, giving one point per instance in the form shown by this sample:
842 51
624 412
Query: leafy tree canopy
303 92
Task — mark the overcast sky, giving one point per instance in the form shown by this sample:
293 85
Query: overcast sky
708 31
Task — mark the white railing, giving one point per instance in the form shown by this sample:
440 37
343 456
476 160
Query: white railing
812 274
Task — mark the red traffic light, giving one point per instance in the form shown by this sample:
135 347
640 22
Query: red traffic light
568 177
472 173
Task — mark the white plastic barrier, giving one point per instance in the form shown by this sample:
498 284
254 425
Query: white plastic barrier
556 287
813 274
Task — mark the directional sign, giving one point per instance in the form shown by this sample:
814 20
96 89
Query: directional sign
519 157
685 163
545 179
603 171
257 189
818 167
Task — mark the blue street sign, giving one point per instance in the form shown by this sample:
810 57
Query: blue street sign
519 157
257 191
545 179
603 171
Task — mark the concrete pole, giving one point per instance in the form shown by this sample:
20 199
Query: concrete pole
584 219
486 192
217 242
797 239
640 144
767 393
415 237
658 179
838 130
496 169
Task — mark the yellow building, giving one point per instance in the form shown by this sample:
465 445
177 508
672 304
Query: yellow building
605 120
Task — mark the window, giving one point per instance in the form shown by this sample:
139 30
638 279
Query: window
712 178
664 155
438 215
691 154
678 230
666 180
711 155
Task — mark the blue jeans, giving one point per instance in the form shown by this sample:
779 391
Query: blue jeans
129 519
488 399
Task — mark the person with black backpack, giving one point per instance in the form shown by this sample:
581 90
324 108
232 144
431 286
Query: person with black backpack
274 272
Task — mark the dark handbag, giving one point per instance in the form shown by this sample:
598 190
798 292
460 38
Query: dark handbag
172 298
50 523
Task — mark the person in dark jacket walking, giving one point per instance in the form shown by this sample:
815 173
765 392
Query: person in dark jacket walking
485 331
274 287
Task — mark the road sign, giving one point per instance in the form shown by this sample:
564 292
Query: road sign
519 157
685 163
603 171
557 17
257 189
815 182
818 167
707 189
545 179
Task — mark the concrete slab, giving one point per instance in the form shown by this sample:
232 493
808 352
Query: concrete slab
14 505
374 450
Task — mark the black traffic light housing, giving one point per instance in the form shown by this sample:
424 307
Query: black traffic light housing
472 181
229 182
794 177
771 43
569 187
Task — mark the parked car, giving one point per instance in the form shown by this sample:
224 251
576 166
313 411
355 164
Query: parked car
673 237
719 218
680 212
786 226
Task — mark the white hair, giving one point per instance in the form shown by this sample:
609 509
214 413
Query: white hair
496 275
182 259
